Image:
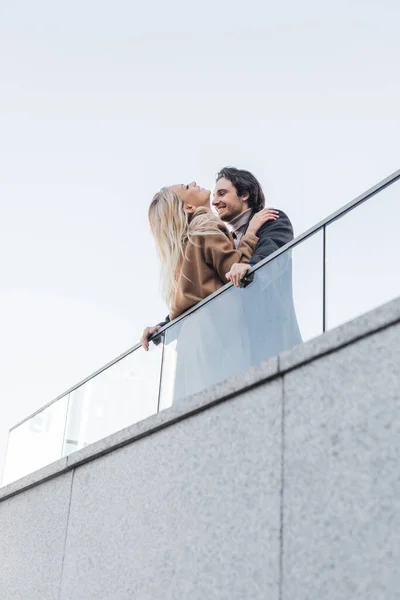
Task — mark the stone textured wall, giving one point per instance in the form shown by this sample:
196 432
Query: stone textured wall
280 484
342 474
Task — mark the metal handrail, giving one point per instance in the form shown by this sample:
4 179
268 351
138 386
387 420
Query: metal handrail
300 238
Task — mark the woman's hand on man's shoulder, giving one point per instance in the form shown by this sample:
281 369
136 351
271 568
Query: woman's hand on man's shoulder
264 215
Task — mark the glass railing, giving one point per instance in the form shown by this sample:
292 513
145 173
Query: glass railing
345 266
243 326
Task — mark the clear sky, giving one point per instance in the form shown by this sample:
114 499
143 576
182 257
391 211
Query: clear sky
102 103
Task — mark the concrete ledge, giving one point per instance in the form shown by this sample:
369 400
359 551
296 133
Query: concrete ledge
194 404
39 476
198 402
345 334
350 332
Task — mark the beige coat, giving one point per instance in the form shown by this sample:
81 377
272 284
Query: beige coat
208 259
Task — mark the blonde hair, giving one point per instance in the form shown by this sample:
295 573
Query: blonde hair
172 228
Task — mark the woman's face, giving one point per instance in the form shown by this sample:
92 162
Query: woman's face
192 195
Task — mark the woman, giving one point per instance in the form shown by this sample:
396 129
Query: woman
197 251
195 247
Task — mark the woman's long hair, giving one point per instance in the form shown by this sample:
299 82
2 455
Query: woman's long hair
172 228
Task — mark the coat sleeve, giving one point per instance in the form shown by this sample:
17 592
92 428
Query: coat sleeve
157 339
272 235
221 254
162 323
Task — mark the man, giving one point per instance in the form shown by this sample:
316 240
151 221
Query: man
238 196
269 313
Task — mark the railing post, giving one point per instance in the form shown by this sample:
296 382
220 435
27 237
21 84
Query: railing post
161 370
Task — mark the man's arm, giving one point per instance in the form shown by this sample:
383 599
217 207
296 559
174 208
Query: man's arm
272 235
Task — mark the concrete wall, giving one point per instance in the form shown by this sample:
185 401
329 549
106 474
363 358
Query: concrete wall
282 483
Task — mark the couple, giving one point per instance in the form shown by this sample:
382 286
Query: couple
199 255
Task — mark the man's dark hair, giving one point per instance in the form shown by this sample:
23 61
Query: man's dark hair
245 182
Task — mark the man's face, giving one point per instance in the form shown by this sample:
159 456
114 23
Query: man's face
226 201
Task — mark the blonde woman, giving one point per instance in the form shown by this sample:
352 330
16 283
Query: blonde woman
195 247
197 252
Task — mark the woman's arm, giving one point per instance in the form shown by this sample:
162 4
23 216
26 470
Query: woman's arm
258 224
220 251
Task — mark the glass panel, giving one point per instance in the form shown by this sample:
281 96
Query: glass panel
241 327
308 264
36 442
123 394
363 257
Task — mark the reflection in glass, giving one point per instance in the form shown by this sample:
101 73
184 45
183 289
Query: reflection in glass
36 442
363 257
123 394
307 263
242 327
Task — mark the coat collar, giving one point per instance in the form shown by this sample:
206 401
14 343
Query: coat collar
240 220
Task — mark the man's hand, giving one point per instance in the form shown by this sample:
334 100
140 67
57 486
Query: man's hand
146 334
237 272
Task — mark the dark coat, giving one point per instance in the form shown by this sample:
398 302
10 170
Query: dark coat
271 318
272 235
